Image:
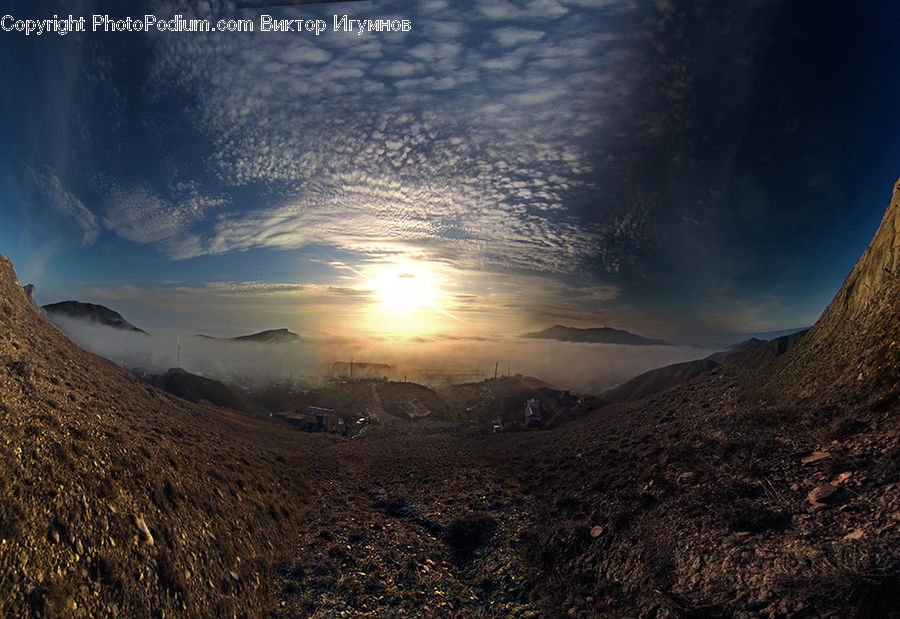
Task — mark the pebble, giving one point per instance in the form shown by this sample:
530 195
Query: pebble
816 456
143 530
819 494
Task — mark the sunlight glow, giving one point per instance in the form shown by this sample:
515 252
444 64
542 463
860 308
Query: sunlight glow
407 298
404 290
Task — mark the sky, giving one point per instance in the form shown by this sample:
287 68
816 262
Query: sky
498 167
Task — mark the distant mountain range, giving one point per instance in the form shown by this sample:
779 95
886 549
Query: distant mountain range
271 336
601 335
90 312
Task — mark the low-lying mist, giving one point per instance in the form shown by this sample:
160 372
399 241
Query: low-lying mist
579 367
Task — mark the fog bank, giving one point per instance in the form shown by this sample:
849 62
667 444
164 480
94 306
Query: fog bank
580 367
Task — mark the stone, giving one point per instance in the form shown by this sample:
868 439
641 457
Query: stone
818 495
816 456
143 530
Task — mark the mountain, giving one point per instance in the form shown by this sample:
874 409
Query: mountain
601 335
91 312
195 388
121 500
272 336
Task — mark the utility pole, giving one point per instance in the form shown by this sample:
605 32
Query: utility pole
178 343
496 365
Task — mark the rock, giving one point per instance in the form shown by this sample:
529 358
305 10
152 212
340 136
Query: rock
598 530
816 456
143 530
837 481
855 534
685 478
820 494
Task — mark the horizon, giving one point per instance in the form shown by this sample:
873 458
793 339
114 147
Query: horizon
492 171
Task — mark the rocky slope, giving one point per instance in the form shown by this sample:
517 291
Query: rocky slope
854 348
117 499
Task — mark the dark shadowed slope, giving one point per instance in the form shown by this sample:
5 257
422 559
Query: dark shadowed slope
195 388
602 335
758 356
121 500
89 311
658 380
750 344
750 356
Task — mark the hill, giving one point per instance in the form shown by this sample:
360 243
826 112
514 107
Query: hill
659 380
195 388
271 336
749 344
98 314
601 335
750 355
121 500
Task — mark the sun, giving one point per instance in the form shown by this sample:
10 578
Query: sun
405 290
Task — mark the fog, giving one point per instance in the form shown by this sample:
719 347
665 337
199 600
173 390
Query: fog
583 368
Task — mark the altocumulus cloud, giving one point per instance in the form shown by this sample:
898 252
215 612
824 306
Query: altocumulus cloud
467 152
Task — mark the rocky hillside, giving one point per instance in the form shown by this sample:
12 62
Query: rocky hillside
854 348
117 499
658 380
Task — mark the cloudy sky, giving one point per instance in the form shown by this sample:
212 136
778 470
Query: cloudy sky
502 166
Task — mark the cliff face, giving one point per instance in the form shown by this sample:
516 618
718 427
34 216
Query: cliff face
853 347
870 282
117 499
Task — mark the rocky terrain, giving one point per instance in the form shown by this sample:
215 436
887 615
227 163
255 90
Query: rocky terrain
117 499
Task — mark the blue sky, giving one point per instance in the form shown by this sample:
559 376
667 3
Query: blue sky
502 166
